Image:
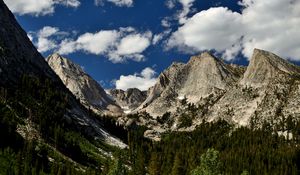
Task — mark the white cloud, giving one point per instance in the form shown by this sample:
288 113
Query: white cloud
216 28
171 4
38 7
160 36
120 3
47 31
166 22
44 42
186 4
97 43
117 45
30 37
134 43
270 24
181 15
142 81
67 46
46 38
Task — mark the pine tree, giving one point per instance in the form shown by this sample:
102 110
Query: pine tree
209 165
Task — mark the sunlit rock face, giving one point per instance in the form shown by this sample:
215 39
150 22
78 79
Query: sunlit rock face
90 93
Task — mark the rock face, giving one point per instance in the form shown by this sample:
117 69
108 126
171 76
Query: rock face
201 76
19 57
90 93
264 66
130 99
267 91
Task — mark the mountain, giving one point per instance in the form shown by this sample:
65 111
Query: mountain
41 120
208 89
18 54
267 91
90 93
201 76
130 99
265 66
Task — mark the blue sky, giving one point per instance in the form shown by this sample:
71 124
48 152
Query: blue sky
115 40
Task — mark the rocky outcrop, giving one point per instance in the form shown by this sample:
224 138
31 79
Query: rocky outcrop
84 87
130 99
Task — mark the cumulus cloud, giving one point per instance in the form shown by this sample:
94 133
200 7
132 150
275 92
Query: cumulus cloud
270 24
97 43
117 45
142 81
38 7
46 38
215 28
120 3
186 4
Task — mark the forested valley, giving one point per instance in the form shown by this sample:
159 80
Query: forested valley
56 148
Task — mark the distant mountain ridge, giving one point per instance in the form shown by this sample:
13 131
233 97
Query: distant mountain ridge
208 89
216 90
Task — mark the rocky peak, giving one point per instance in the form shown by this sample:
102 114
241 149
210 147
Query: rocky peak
265 66
205 73
202 75
204 56
90 93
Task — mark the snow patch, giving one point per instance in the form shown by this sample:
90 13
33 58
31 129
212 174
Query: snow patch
127 111
181 97
285 134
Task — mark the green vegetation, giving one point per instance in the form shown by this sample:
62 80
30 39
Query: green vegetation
236 151
55 146
209 164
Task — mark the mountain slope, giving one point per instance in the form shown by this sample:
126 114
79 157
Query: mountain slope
18 55
90 93
39 112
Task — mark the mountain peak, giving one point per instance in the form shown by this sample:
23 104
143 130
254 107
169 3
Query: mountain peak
264 66
204 56
90 93
207 54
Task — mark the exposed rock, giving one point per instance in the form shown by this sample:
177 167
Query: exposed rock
264 66
207 89
201 76
84 87
130 99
